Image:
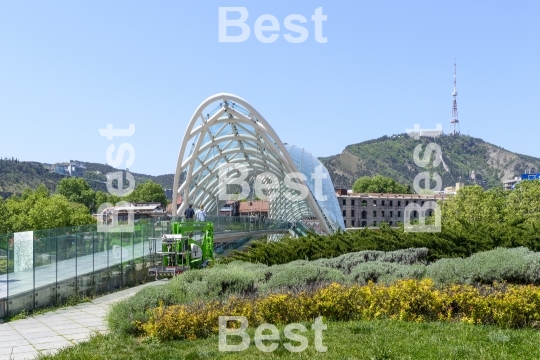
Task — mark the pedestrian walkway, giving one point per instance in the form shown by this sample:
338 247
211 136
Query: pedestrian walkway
52 331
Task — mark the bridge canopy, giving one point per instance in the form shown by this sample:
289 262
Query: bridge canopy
230 152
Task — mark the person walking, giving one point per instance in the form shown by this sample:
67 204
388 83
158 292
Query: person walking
189 213
201 214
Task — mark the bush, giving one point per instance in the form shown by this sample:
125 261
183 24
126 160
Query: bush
385 272
347 262
453 241
519 266
407 300
293 277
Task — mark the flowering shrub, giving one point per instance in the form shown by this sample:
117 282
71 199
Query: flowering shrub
406 300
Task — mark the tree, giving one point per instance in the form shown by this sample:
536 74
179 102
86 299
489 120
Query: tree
148 191
77 190
57 212
379 184
37 209
524 202
473 205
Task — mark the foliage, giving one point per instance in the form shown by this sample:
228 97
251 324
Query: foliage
77 190
37 209
406 300
148 191
519 266
452 241
523 203
472 204
379 184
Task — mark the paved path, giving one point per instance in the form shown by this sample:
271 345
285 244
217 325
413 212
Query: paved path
49 332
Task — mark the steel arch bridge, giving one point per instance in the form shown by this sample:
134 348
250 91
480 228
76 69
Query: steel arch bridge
225 133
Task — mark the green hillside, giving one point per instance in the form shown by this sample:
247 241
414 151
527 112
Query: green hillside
16 175
392 156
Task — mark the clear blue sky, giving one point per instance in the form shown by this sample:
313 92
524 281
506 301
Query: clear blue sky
68 68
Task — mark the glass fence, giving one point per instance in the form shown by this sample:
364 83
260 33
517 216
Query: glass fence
44 268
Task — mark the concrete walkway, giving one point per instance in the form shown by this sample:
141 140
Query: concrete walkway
49 332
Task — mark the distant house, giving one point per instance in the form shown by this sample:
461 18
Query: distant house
71 168
140 211
246 208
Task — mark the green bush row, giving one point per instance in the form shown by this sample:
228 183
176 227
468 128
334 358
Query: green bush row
452 241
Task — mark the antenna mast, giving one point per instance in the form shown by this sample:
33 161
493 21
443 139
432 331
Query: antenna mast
455 122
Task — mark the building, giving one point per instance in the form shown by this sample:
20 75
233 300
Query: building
363 210
140 211
71 168
257 208
509 184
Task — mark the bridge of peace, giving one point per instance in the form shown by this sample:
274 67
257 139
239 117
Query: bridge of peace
227 142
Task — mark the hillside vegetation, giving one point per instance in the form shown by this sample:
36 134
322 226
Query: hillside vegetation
15 176
392 156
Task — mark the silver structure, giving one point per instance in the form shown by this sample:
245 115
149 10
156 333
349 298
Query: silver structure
225 133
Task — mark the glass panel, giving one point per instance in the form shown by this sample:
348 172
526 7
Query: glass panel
85 264
101 263
115 261
66 265
45 269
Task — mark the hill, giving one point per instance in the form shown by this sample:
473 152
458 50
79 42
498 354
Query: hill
16 175
392 156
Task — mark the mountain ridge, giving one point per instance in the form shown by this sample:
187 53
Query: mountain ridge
464 158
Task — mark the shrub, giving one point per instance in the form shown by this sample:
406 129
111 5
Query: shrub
453 241
407 300
347 262
519 266
385 272
294 277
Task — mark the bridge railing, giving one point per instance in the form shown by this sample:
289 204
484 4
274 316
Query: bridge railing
43 268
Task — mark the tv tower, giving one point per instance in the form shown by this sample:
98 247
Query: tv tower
454 121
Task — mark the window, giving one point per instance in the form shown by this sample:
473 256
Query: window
364 203
382 213
352 213
364 223
352 202
390 223
406 202
422 203
414 201
374 214
399 214
344 202
391 214
374 202
399 203
364 214
344 213
391 203
382 204
352 222
374 223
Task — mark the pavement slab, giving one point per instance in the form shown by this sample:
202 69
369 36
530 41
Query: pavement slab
47 333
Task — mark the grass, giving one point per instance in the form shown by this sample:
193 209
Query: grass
375 340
